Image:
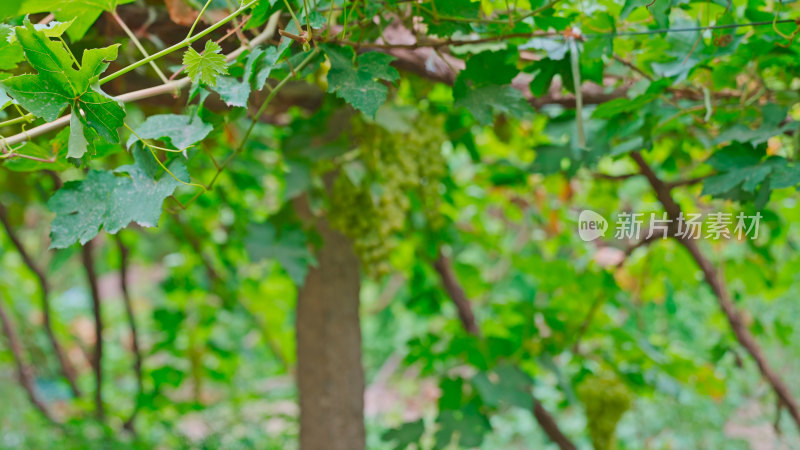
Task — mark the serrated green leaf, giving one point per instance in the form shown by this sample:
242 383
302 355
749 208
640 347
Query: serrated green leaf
50 59
486 101
54 28
487 68
289 247
405 435
483 86
103 114
232 91
505 384
104 200
622 105
57 85
10 52
358 85
37 95
207 67
182 131
785 175
467 424
94 62
262 64
378 66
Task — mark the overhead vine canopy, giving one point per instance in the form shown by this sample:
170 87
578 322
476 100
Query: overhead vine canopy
488 205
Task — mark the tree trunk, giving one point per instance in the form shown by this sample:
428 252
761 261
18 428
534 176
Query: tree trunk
330 378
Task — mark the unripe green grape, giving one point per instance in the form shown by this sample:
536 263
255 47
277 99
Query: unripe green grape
375 211
606 399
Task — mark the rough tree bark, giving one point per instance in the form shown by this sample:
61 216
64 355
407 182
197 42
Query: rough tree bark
330 378
717 284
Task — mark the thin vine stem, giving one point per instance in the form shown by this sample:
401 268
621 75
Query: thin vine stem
152 149
138 44
184 43
197 20
253 123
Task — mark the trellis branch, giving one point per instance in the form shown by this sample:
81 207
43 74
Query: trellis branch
717 285
442 265
124 253
23 370
543 417
182 44
138 45
44 288
97 357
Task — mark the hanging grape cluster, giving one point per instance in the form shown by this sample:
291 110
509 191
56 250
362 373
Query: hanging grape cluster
606 399
372 210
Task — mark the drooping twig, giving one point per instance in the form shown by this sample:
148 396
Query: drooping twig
454 289
687 181
137 353
550 427
605 176
138 45
23 370
44 288
443 267
97 360
717 285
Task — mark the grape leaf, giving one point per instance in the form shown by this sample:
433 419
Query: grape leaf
483 102
103 114
233 91
262 64
58 85
10 52
37 95
288 246
483 86
257 67
207 67
104 200
49 58
358 85
505 384
182 131
94 62
54 28
405 435
468 425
